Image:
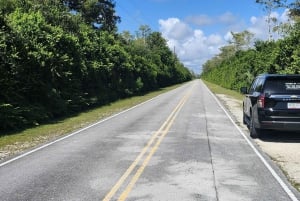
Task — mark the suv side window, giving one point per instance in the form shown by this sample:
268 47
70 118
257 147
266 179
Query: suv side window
259 85
253 85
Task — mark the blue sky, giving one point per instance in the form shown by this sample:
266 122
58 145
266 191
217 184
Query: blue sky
196 28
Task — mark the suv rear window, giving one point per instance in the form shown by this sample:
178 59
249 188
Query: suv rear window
282 85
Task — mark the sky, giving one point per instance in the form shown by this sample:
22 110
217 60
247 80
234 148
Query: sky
196 29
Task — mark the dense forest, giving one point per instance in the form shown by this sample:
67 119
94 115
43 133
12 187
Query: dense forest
242 59
60 57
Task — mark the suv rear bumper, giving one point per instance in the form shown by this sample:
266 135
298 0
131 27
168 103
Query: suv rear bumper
280 125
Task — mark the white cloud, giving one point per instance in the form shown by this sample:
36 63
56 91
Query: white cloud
194 47
173 28
259 27
228 18
228 36
285 16
200 20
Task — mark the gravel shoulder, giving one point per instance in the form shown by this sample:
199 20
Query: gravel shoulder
283 148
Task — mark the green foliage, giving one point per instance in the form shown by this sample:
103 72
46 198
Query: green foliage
54 64
282 56
241 40
98 13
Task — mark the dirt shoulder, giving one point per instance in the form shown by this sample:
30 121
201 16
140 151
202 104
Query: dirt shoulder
283 148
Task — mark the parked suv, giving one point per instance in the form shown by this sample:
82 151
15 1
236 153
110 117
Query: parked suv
272 102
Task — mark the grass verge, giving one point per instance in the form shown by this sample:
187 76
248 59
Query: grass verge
17 142
220 90
280 164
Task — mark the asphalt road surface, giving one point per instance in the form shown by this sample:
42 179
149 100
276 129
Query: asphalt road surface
181 145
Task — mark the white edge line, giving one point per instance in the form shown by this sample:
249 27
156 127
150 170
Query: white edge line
275 175
75 133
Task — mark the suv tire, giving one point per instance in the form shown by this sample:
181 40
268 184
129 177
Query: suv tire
254 132
244 119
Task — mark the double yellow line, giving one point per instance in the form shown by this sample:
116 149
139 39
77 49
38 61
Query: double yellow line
151 148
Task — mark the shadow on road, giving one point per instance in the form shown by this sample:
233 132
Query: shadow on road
280 136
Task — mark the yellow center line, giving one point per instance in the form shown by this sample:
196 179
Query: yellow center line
139 172
163 130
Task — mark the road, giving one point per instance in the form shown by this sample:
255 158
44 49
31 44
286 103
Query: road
181 145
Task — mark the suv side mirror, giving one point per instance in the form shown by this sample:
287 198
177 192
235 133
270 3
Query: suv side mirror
244 90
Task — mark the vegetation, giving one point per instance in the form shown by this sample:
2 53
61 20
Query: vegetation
238 63
61 57
19 141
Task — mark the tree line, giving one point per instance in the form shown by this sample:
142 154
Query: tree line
60 57
239 62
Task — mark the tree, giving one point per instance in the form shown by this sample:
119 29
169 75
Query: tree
143 32
98 13
242 40
269 6
53 63
232 69
7 6
295 10
285 29
126 37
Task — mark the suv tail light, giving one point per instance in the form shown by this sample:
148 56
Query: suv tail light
261 101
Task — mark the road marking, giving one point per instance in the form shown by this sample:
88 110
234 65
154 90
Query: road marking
125 193
158 136
268 166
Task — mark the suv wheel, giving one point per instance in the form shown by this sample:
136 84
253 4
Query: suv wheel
254 132
244 119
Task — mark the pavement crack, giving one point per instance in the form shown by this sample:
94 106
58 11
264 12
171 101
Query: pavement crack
210 151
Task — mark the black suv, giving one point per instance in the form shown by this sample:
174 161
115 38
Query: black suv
272 102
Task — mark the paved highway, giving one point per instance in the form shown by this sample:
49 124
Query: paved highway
181 145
